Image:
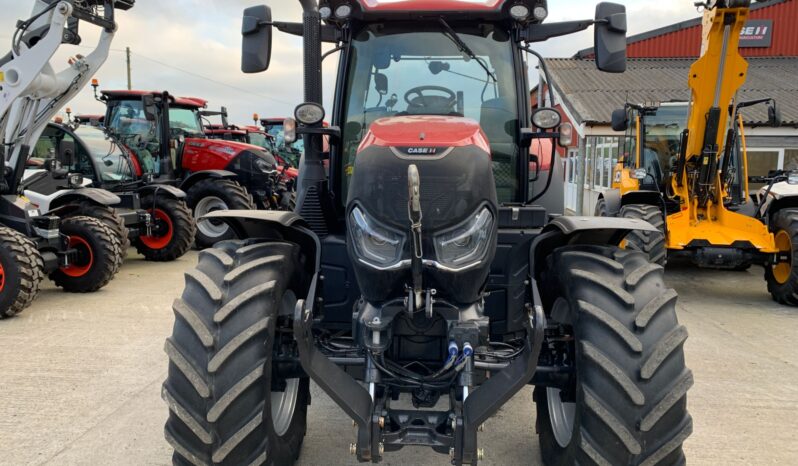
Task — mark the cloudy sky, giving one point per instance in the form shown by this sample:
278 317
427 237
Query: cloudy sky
191 48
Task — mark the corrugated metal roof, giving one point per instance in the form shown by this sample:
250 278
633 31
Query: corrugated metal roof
592 95
684 39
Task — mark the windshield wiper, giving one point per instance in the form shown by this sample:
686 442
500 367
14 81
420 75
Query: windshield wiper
464 48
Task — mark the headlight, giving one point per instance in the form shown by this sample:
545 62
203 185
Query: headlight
264 166
546 118
466 245
75 180
640 174
375 246
309 113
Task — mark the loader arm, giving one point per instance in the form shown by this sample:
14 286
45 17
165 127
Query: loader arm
33 91
715 78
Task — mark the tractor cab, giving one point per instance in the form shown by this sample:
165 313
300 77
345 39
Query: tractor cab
290 153
135 117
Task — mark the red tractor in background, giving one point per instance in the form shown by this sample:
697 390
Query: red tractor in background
252 134
169 145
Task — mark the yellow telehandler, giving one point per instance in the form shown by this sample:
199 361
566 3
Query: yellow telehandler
684 169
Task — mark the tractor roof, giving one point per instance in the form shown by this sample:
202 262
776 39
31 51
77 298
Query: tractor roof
193 102
372 10
430 5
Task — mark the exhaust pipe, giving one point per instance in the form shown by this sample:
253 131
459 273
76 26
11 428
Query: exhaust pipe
311 165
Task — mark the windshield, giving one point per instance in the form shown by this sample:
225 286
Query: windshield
662 139
261 140
186 122
426 73
106 155
291 153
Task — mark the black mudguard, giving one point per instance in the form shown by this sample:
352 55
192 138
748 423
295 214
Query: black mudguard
273 225
67 199
194 178
162 190
563 231
642 197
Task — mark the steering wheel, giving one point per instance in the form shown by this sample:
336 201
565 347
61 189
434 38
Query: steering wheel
427 101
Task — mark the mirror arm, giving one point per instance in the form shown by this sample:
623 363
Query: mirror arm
330 34
542 32
332 131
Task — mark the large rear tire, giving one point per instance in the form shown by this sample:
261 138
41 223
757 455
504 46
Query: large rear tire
627 403
173 233
21 272
649 242
210 195
226 406
782 278
100 255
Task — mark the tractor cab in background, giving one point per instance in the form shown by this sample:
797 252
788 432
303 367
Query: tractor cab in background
288 152
166 136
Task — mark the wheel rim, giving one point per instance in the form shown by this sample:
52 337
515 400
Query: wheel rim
85 258
2 277
561 415
283 406
159 242
782 270
210 228
284 403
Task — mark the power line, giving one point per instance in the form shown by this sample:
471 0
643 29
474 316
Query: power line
197 75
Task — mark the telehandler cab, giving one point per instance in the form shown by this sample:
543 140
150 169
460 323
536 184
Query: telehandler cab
684 169
421 267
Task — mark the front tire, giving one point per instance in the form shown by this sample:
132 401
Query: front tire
627 403
226 407
21 272
210 195
648 242
109 217
782 278
173 233
99 255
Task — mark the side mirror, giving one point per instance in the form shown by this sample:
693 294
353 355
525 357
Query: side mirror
289 131
610 37
620 120
256 44
381 83
774 116
149 107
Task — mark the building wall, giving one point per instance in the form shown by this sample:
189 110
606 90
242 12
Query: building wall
687 42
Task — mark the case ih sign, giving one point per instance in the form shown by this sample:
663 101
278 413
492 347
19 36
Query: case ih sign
757 33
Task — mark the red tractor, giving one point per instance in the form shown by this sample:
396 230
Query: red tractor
251 134
425 263
165 134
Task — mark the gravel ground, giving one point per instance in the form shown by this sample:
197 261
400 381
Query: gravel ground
80 378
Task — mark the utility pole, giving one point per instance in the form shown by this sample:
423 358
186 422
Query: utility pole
127 56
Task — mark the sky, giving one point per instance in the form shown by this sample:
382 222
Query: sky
192 48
